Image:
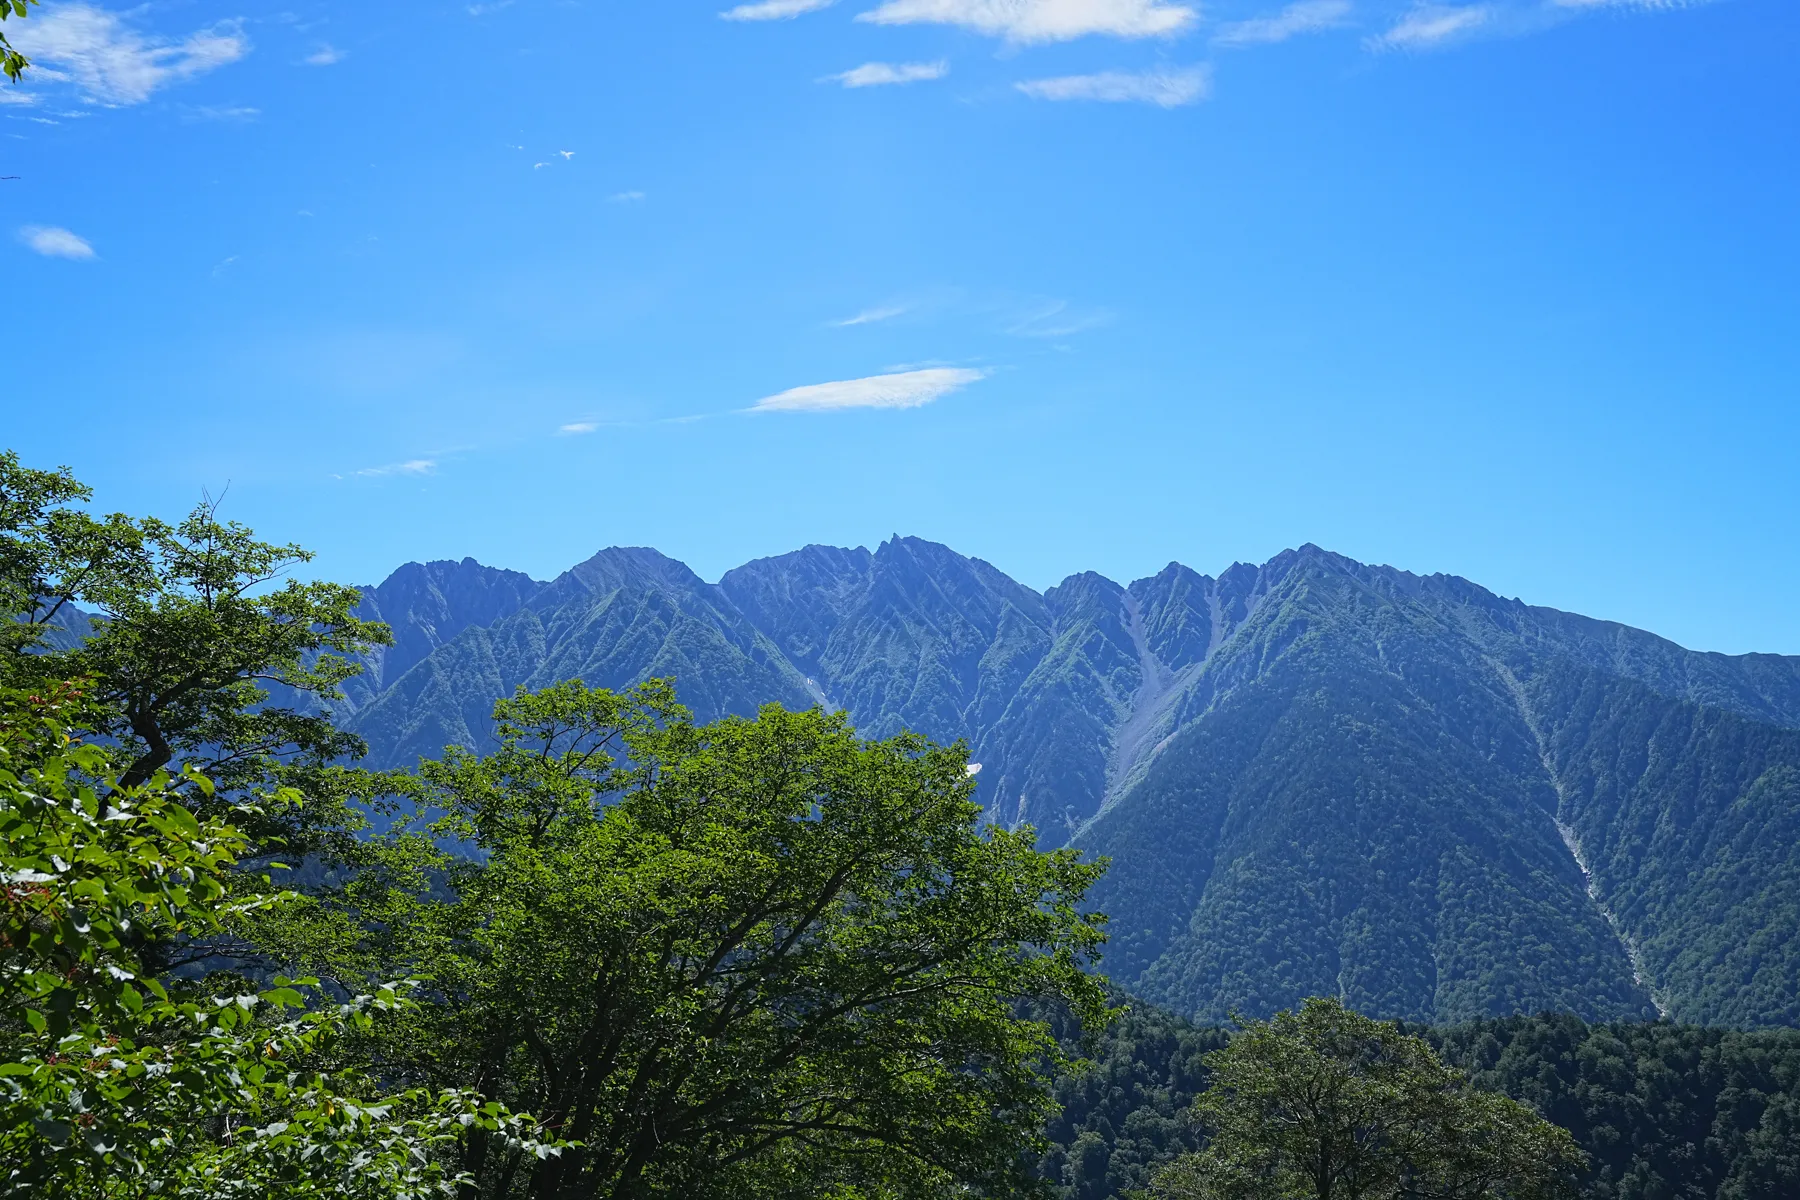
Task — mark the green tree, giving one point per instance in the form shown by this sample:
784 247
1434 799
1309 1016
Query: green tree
11 61
1328 1104
115 1085
199 654
192 626
759 957
51 550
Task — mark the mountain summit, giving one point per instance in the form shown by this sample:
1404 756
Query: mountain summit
1312 776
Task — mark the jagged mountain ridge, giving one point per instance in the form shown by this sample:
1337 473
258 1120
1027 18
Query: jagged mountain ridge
1311 775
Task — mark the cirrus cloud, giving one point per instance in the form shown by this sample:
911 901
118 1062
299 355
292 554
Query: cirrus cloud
1306 16
1429 26
1041 20
901 389
1164 88
876 74
870 316
774 10
412 466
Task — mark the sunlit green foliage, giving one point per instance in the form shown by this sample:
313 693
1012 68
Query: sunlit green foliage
11 61
198 657
117 1084
757 957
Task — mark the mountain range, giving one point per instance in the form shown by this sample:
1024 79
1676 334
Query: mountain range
1311 777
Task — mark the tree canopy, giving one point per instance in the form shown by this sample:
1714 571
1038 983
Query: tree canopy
114 1083
1328 1104
757 957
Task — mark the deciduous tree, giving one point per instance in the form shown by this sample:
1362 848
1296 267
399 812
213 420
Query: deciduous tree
115 1085
759 957
1327 1104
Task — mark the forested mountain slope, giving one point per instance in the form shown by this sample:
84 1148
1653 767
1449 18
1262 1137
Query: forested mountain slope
427 605
1663 1111
620 617
1312 776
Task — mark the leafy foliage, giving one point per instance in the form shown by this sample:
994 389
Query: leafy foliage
754 957
113 1083
1327 1103
195 635
11 61
51 550
191 630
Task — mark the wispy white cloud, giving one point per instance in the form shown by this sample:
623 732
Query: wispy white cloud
875 74
774 10
1644 5
1307 16
221 112
1162 87
113 63
53 241
626 197
904 389
1429 26
326 55
1055 319
870 316
1042 20
576 427
414 466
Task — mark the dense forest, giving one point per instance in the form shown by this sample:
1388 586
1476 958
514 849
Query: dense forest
1662 1111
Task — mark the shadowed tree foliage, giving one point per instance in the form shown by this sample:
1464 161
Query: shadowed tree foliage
1662 1110
1328 1104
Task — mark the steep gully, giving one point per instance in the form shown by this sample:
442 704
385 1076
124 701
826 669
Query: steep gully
1572 841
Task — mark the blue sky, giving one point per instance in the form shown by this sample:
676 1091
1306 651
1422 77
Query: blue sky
1503 289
